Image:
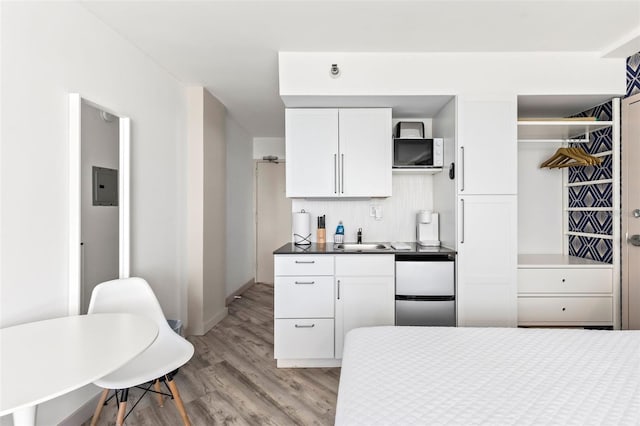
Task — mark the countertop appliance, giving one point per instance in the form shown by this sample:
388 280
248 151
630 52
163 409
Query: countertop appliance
418 153
425 290
428 228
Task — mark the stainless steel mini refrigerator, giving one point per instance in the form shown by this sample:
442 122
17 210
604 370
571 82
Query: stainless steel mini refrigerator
425 289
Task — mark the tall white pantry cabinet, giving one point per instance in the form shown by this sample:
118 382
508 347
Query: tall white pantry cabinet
487 212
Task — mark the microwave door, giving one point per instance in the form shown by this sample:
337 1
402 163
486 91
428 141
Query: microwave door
413 153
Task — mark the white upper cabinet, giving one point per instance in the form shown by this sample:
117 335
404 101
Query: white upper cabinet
311 152
338 152
487 147
365 152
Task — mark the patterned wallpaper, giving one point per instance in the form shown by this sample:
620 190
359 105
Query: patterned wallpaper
593 196
600 195
633 74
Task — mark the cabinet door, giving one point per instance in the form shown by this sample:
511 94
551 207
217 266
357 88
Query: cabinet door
311 146
362 302
365 152
487 261
487 147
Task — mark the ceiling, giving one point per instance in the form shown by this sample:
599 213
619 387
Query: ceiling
231 47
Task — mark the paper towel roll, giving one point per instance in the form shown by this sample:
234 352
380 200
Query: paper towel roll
424 216
301 228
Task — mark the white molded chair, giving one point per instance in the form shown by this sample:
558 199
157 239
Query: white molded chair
158 363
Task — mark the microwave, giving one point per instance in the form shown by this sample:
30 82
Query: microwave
418 153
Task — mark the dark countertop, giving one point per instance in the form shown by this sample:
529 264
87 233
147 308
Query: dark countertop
330 248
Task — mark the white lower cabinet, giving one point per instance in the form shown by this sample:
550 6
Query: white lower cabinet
565 295
487 261
317 302
303 338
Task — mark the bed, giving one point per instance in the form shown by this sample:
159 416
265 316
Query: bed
489 376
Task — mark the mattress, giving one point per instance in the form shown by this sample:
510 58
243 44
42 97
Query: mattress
489 376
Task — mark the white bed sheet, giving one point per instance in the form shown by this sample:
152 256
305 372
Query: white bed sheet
489 376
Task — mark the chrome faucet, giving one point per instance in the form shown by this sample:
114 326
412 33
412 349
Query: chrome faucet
359 240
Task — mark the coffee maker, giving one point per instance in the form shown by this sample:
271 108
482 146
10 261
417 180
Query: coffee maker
427 229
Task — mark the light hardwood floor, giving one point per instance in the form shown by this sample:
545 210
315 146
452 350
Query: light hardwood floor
232 378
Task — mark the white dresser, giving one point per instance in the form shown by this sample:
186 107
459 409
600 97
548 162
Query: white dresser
558 290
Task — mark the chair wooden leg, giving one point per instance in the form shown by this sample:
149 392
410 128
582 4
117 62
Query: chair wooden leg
179 404
122 408
156 386
96 414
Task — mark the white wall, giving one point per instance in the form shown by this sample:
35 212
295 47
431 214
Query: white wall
388 74
410 194
99 234
240 216
49 50
268 146
206 210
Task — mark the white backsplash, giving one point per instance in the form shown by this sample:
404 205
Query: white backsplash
411 192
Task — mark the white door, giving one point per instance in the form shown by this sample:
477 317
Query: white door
365 152
487 147
631 213
312 152
273 217
487 261
362 302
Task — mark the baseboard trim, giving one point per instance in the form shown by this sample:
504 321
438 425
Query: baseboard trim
211 322
239 291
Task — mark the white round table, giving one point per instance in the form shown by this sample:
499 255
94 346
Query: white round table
42 360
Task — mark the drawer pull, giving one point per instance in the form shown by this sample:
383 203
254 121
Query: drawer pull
305 326
564 309
305 282
305 261
563 280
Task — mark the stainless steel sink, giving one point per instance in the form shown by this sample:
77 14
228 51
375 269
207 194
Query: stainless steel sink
363 247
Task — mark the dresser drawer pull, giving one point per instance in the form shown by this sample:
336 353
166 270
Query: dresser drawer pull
305 261
305 282
305 326
563 280
564 309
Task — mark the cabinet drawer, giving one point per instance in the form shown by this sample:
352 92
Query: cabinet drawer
303 297
365 265
303 265
578 310
564 281
303 338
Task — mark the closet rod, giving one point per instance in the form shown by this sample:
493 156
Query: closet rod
589 209
589 235
556 140
602 154
590 182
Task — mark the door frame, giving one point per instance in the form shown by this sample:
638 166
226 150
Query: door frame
75 217
625 164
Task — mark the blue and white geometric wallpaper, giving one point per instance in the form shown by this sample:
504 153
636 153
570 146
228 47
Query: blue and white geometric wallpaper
633 74
601 195
588 196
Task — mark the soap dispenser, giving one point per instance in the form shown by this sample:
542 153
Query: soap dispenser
339 235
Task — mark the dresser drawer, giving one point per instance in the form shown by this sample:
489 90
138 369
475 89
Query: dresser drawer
303 297
303 338
569 310
303 264
564 281
365 265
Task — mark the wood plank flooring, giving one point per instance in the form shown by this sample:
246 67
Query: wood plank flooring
232 378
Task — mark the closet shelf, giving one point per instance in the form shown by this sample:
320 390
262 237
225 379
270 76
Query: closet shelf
590 182
545 261
558 131
589 209
589 235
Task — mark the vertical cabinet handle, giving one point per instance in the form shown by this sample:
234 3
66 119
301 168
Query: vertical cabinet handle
342 178
462 221
462 168
335 173
338 289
